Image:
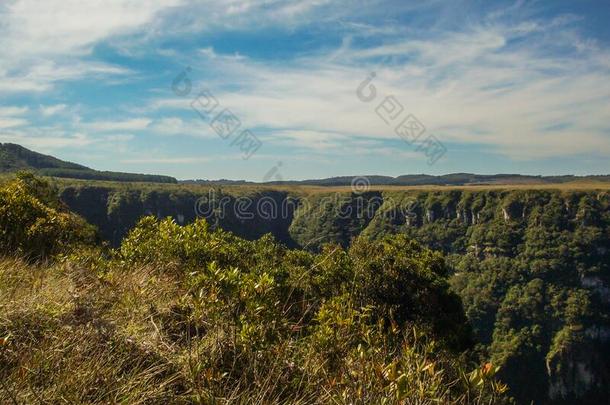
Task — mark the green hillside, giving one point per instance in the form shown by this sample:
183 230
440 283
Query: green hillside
15 157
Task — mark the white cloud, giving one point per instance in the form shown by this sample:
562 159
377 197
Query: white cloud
167 160
211 15
11 122
173 126
11 117
121 138
46 140
312 140
332 144
503 87
135 124
50 110
43 42
167 103
42 75
12 110
71 27
167 126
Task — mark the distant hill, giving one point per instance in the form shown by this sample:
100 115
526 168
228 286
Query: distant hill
453 179
15 157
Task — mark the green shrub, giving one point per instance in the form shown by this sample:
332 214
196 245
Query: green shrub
34 224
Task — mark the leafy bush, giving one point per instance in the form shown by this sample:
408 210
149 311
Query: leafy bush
343 320
34 224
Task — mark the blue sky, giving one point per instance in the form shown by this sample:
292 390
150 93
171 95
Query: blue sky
504 86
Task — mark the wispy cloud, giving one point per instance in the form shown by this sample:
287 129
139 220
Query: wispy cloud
11 117
12 111
50 110
167 160
496 84
134 124
46 42
172 126
11 122
46 139
502 79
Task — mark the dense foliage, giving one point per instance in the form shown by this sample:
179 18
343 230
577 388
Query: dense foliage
33 224
187 314
106 176
531 266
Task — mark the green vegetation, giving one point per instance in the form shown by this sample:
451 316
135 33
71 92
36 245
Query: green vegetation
33 224
187 314
532 270
15 157
106 176
530 265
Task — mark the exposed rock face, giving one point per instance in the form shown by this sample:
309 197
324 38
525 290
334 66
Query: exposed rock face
506 215
597 285
430 216
574 381
574 373
601 333
464 216
513 208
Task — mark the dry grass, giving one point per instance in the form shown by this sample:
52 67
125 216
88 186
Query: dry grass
70 335
247 189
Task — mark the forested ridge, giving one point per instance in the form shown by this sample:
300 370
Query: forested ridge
531 266
15 157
